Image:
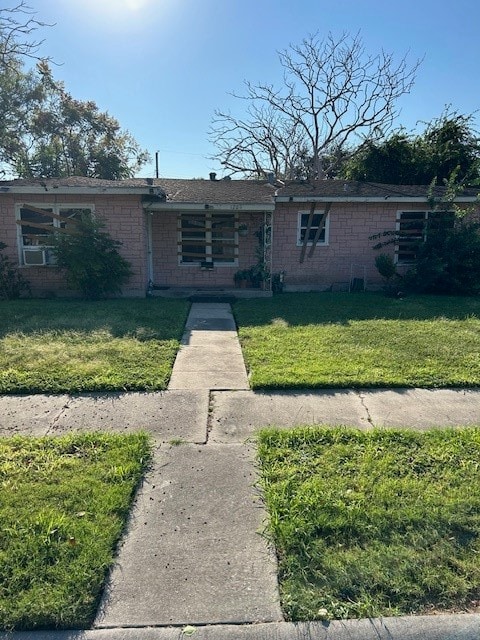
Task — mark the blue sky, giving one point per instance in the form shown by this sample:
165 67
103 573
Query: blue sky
162 67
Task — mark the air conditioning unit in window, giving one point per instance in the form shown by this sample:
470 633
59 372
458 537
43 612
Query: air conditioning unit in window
34 256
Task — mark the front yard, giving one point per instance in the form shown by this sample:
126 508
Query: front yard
376 523
63 506
53 346
315 340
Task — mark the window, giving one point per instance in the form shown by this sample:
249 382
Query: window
207 237
412 227
317 219
35 227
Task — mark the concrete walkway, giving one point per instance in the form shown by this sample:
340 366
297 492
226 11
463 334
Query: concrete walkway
210 356
194 532
193 554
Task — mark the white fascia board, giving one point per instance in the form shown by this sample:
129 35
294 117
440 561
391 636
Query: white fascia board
398 199
188 206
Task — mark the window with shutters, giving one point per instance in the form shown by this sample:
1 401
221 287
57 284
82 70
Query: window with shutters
208 238
36 223
412 229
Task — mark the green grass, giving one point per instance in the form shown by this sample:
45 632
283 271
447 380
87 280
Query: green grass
63 505
360 340
50 346
375 523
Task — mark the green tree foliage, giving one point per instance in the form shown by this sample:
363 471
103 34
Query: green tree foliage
91 259
44 131
448 144
392 161
452 147
60 136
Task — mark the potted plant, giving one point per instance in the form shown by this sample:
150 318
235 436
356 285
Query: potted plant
258 274
242 278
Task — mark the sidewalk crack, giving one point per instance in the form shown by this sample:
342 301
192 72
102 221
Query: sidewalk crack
56 419
211 404
364 405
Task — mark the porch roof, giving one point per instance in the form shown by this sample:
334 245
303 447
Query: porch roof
218 191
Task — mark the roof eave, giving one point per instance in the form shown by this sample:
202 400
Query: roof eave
207 206
76 190
399 199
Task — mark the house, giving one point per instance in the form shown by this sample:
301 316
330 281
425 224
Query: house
198 234
354 212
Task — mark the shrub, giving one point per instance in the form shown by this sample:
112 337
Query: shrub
448 262
385 266
91 259
387 269
12 283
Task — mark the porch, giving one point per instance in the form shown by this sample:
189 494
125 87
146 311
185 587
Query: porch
217 251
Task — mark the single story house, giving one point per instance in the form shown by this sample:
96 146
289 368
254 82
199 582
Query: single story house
205 234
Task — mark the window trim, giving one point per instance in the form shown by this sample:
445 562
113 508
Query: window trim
321 243
208 216
57 208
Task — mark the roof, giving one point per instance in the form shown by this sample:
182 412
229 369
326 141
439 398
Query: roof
72 181
249 193
349 190
218 191
173 190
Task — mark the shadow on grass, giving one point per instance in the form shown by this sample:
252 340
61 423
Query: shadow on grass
300 309
143 319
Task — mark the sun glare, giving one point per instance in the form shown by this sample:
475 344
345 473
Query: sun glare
135 5
117 16
118 8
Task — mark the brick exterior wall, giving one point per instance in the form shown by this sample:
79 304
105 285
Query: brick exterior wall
169 273
349 252
124 219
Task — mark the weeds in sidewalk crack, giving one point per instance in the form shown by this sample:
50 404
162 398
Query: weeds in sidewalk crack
364 405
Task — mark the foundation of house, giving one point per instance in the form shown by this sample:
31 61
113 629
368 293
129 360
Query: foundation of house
205 294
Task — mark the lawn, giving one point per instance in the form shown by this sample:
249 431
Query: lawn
314 340
375 523
63 506
53 346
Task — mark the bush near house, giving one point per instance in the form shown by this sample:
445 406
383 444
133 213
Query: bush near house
91 259
12 283
448 262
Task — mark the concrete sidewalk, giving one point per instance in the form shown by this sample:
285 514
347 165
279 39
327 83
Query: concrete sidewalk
228 417
193 554
444 627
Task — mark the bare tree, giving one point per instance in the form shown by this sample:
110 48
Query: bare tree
18 25
332 91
